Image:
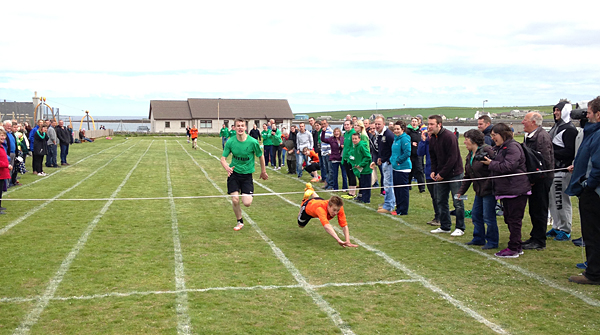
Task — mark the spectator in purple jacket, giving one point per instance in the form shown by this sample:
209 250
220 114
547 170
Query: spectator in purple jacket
513 191
335 157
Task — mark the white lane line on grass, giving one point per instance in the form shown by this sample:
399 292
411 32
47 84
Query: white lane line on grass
317 298
457 303
184 324
14 189
49 201
33 316
209 289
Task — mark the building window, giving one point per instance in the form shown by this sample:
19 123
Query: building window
167 124
205 123
182 124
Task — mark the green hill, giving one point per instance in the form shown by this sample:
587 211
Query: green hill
450 112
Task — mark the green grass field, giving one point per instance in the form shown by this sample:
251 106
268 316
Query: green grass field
135 237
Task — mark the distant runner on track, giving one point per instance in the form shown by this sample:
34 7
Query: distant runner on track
239 173
315 207
194 136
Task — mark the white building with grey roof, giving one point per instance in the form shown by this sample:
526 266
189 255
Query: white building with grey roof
209 115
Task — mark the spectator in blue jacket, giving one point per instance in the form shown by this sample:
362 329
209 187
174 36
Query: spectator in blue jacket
401 165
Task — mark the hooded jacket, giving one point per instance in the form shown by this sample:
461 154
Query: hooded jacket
415 137
586 172
563 135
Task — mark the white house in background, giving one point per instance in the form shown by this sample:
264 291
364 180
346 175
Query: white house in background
209 115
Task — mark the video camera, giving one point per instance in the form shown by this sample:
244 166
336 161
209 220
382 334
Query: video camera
580 111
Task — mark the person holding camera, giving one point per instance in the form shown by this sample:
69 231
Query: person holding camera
514 189
585 183
484 205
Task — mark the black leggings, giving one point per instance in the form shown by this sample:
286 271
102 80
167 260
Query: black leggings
37 163
350 174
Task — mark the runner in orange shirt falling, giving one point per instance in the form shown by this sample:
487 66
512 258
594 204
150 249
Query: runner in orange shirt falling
325 210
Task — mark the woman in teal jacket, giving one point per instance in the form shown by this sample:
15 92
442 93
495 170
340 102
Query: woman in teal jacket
402 166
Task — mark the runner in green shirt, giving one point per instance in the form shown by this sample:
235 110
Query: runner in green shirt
232 132
224 134
239 172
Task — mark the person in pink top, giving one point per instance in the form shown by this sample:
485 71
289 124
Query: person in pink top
5 168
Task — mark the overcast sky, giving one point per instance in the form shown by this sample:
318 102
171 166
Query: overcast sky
113 57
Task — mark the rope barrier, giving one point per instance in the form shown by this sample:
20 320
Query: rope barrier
288 193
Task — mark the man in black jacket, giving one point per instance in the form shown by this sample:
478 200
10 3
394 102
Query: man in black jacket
538 140
64 139
446 165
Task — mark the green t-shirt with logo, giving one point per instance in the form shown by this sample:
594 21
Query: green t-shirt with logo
232 133
243 154
224 132
266 136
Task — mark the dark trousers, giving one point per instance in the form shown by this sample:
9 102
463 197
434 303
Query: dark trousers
37 163
364 181
51 156
431 189
401 193
538 210
275 154
350 174
64 151
589 211
514 209
291 164
267 153
443 191
312 167
417 171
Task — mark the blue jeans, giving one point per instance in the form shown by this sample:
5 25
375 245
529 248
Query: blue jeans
51 155
401 194
267 151
335 166
344 176
443 190
282 157
484 212
326 172
223 141
64 151
389 201
300 158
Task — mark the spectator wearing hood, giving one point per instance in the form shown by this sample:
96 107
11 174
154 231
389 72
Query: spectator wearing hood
563 135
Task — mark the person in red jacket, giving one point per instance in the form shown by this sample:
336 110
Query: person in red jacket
5 168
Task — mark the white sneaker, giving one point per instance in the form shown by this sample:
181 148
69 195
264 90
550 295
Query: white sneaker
439 230
457 232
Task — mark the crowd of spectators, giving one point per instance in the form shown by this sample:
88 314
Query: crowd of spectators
18 141
495 166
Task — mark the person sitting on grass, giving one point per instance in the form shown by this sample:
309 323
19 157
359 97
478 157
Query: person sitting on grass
312 164
315 207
